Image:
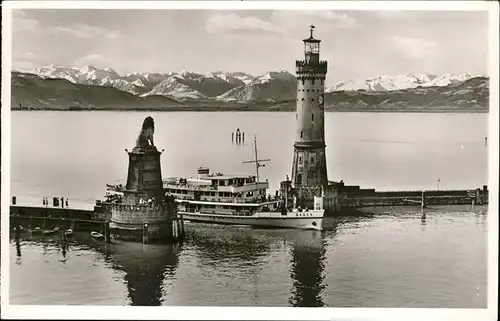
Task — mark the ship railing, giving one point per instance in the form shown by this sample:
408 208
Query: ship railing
253 200
189 186
185 186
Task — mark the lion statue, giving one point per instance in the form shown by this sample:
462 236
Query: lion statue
145 138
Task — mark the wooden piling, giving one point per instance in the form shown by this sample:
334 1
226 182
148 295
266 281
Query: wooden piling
174 230
17 229
107 233
145 238
179 232
183 231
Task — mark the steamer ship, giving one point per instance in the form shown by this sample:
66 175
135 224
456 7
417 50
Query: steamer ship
241 200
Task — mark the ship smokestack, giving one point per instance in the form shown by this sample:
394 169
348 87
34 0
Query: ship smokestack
203 172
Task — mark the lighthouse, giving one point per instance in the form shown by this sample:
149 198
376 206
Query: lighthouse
309 175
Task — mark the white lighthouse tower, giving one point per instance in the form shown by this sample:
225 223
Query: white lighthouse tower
309 159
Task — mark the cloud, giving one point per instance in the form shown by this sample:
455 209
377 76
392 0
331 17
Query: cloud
21 22
23 65
23 60
390 14
84 31
227 23
413 47
24 55
89 59
303 18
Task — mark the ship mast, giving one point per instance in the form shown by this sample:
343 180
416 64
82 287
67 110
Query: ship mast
257 161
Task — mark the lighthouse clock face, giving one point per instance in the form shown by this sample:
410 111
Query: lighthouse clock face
321 100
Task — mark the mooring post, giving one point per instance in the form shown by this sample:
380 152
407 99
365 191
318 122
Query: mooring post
183 231
179 231
145 239
107 234
174 230
14 199
17 229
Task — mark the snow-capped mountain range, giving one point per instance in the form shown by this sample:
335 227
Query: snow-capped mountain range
231 86
398 82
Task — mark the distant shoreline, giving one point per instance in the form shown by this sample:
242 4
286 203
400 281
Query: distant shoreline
212 109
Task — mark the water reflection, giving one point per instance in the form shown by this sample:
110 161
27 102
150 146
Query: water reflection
423 219
146 267
307 270
18 248
218 244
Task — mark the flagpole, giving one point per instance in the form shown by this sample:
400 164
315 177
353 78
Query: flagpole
438 183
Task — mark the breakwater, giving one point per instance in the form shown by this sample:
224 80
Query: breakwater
352 196
47 218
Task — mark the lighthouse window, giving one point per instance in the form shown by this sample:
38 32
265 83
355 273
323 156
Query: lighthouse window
300 160
302 99
313 99
302 81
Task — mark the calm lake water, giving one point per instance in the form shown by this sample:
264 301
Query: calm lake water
392 259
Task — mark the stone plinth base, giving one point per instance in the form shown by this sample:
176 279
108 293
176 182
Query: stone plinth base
145 223
153 233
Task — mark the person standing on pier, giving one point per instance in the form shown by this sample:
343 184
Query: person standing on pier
66 202
62 202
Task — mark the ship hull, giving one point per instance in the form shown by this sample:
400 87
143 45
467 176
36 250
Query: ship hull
313 221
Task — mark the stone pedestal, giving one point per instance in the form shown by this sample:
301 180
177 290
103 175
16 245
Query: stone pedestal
145 214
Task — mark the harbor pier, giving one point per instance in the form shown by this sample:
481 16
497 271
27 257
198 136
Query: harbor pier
47 220
352 196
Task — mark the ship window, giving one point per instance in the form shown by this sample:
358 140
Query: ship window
322 81
312 117
313 81
302 81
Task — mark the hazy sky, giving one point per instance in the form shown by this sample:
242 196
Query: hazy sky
355 43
